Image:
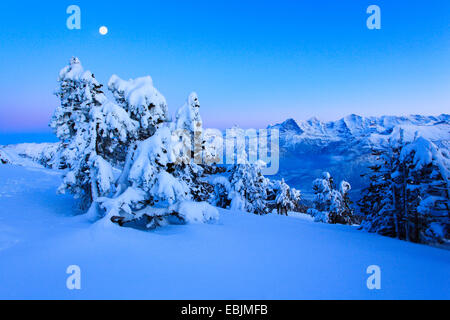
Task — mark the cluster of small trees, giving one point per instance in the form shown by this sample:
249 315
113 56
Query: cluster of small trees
128 161
248 190
331 205
408 195
126 157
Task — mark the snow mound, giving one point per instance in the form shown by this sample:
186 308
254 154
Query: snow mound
197 212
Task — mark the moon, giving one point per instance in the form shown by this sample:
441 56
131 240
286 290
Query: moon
103 30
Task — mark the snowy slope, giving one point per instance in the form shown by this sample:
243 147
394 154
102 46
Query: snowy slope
342 147
29 154
242 257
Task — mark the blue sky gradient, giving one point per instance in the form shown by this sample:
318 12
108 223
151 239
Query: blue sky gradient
251 62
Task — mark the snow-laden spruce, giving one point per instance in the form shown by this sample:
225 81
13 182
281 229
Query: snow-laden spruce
150 183
285 198
204 146
331 205
248 188
93 134
408 197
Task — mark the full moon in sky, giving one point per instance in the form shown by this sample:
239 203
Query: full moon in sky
103 30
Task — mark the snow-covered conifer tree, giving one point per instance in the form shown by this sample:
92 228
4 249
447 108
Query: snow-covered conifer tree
92 132
297 200
151 185
345 211
284 199
188 116
194 155
408 196
222 189
159 174
78 91
154 187
189 130
378 203
331 205
427 219
249 188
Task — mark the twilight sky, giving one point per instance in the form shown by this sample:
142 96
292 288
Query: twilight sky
252 62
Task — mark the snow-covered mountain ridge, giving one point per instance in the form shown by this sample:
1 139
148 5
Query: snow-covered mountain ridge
343 147
357 127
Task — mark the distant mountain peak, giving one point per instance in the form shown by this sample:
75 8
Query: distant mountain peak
290 125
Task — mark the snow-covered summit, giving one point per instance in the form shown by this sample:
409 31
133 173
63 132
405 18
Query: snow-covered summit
355 126
290 125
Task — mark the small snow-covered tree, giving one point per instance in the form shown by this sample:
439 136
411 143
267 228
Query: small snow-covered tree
188 116
297 200
143 102
378 203
78 91
222 189
284 199
201 146
346 211
212 150
331 205
249 188
193 154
